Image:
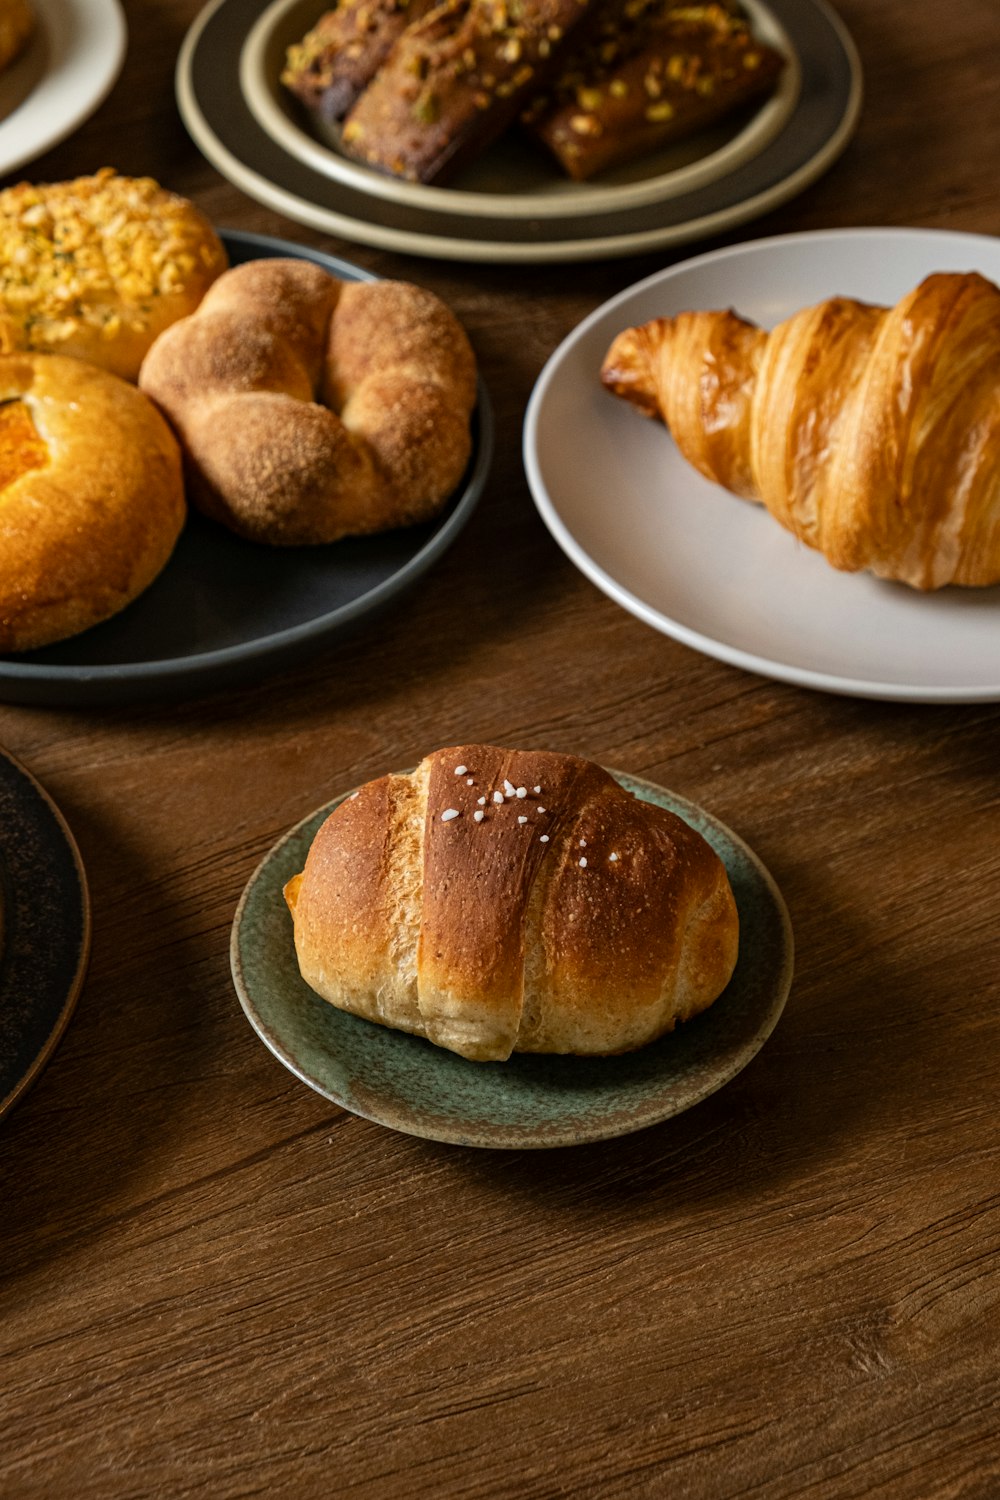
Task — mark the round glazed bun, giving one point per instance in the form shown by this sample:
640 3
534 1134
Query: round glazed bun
91 497
311 408
98 267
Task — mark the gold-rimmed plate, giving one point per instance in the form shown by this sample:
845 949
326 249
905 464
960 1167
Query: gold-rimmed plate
219 118
515 179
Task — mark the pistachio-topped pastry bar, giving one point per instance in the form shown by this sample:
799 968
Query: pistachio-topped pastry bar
334 61
454 81
649 72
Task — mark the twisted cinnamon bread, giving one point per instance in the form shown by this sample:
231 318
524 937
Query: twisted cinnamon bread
311 408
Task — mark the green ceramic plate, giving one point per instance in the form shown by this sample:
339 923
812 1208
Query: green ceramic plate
530 1101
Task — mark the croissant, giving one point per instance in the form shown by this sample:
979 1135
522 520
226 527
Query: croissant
871 433
497 900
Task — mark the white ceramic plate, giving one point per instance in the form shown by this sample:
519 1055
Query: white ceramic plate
514 178
67 70
215 110
711 570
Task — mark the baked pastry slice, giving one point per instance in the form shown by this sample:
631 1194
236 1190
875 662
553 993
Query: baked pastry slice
454 81
871 433
340 55
650 72
507 900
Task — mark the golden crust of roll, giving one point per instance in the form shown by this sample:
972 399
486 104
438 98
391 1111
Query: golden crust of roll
310 408
871 433
565 917
96 268
17 27
91 497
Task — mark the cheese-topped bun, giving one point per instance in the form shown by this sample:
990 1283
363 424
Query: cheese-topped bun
98 267
17 27
91 497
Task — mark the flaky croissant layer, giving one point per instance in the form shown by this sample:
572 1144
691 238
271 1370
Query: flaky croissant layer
872 434
503 900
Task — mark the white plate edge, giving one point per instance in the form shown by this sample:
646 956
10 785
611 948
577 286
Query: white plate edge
721 650
35 118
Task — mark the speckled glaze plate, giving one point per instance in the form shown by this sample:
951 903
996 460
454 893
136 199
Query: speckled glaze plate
405 1083
225 609
44 928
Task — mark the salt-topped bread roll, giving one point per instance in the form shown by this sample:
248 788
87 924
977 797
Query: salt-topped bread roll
500 901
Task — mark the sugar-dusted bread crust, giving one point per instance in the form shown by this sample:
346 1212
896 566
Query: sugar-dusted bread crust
311 408
569 917
91 497
97 267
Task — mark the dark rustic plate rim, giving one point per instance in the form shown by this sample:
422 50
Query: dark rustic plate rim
41 971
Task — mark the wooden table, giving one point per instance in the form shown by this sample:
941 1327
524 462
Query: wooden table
218 1284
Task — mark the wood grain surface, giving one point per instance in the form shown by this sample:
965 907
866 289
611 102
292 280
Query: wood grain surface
216 1284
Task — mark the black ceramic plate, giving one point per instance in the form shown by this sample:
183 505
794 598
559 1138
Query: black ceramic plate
215 109
44 928
224 608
